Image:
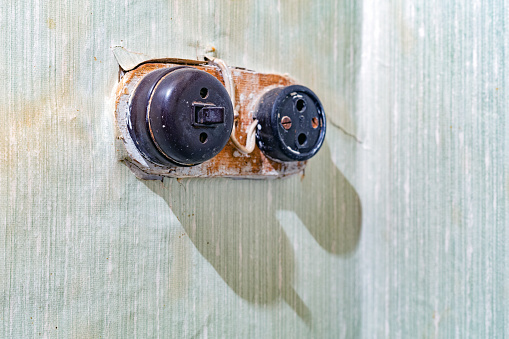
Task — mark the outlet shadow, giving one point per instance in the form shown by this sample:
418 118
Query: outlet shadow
233 225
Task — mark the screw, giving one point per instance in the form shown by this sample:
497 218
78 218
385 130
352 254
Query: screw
286 122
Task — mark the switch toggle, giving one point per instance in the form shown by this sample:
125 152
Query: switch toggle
208 115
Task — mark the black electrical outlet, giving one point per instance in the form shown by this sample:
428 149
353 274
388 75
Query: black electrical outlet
180 116
291 124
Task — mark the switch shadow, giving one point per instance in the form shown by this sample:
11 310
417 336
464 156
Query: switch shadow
233 224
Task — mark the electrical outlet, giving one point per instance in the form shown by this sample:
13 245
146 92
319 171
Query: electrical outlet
291 124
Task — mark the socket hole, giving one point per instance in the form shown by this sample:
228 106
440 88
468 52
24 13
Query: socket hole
314 122
204 92
302 138
300 105
203 137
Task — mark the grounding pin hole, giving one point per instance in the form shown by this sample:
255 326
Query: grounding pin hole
301 139
314 122
204 92
203 137
300 105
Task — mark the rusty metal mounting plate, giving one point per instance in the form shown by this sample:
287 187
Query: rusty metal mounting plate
250 87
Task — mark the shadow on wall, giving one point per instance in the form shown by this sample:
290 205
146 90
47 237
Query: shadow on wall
234 226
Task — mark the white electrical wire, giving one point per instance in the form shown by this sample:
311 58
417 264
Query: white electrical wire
230 88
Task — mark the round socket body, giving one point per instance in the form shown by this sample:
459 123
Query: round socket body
180 116
291 124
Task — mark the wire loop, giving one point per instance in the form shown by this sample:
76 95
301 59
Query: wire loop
230 88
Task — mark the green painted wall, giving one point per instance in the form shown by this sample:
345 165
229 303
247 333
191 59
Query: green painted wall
397 229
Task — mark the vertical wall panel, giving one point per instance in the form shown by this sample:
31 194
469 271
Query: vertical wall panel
396 230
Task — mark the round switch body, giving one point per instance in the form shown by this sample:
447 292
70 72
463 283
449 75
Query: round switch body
291 124
180 116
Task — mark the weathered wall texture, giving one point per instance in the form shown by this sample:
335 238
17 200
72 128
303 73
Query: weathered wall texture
397 229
